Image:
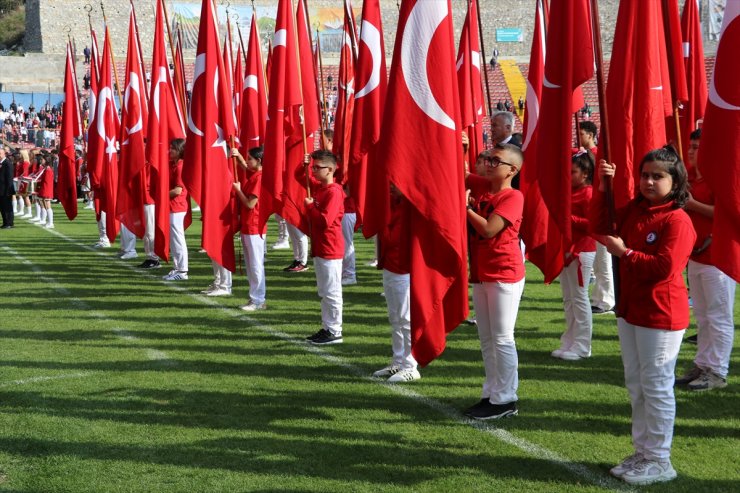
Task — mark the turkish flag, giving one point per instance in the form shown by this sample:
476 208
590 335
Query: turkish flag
179 80
638 93
71 129
165 124
569 63
345 93
696 75
423 101
281 192
238 85
719 151
309 75
134 116
544 245
254 107
102 139
92 159
469 81
368 180
207 171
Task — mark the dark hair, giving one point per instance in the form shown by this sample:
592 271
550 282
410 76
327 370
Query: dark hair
324 156
585 161
257 152
178 145
513 149
329 133
695 135
589 127
668 156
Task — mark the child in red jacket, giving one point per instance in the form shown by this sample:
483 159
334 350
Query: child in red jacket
653 242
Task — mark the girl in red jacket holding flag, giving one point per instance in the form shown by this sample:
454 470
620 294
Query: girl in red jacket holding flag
653 241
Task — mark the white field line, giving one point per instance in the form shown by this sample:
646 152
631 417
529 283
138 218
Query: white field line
152 354
532 449
26 381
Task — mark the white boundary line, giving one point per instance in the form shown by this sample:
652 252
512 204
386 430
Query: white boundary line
26 381
505 436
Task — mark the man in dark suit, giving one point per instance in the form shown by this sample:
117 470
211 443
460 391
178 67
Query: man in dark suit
7 190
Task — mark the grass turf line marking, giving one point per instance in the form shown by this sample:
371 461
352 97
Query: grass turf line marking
505 436
25 381
152 354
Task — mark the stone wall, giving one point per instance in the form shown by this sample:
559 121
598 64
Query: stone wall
48 22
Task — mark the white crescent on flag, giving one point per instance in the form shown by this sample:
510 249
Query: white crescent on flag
730 38
133 86
280 38
371 37
422 23
161 79
200 69
251 82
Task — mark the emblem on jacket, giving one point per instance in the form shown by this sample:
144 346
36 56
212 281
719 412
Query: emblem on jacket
651 237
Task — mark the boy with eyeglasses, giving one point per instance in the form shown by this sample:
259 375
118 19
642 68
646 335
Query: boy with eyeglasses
325 210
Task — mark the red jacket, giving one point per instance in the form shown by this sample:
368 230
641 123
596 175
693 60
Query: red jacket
652 292
325 216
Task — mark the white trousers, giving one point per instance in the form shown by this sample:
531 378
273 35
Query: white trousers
649 358
329 283
397 289
102 228
299 242
221 276
282 229
578 317
128 240
713 294
178 247
348 231
602 295
149 232
496 307
254 261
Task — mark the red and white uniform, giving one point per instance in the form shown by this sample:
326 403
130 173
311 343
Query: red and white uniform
178 210
253 240
45 187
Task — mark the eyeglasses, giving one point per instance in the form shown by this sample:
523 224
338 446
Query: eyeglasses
316 168
495 162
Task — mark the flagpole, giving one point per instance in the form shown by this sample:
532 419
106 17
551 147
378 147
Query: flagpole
672 75
483 56
303 120
322 104
112 56
176 62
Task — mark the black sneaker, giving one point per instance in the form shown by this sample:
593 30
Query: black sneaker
494 411
318 334
145 264
291 266
691 339
327 338
475 407
153 264
600 311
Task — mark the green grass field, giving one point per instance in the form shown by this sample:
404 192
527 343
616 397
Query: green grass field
112 380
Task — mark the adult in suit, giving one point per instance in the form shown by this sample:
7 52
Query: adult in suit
7 190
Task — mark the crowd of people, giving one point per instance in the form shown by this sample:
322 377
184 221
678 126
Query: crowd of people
31 127
666 228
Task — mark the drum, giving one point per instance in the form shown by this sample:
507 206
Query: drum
23 186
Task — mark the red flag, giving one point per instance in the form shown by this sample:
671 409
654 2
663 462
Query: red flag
165 124
309 75
345 92
638 92
238 85
207 170
102 140
134 116
92 103
569 63
541 236
369 190
67 175
422 92
469 81
696 75
179 80
719 152
281 192
254 108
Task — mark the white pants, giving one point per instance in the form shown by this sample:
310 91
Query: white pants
713 294
329 283
149 232
282 229
578 317
496 307
102 228
299 242
397 289
348 231
649 358
178 247
602 295
221 276
128 240
254 261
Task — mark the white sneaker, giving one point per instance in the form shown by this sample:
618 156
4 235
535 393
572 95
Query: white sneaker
49 226
252 307
102 244
558 353
407 375
129 255
349 282
210 288
281 245
650 471
388 371
27 215
373 263
219 292
176 276
571 356
35 220
626 464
